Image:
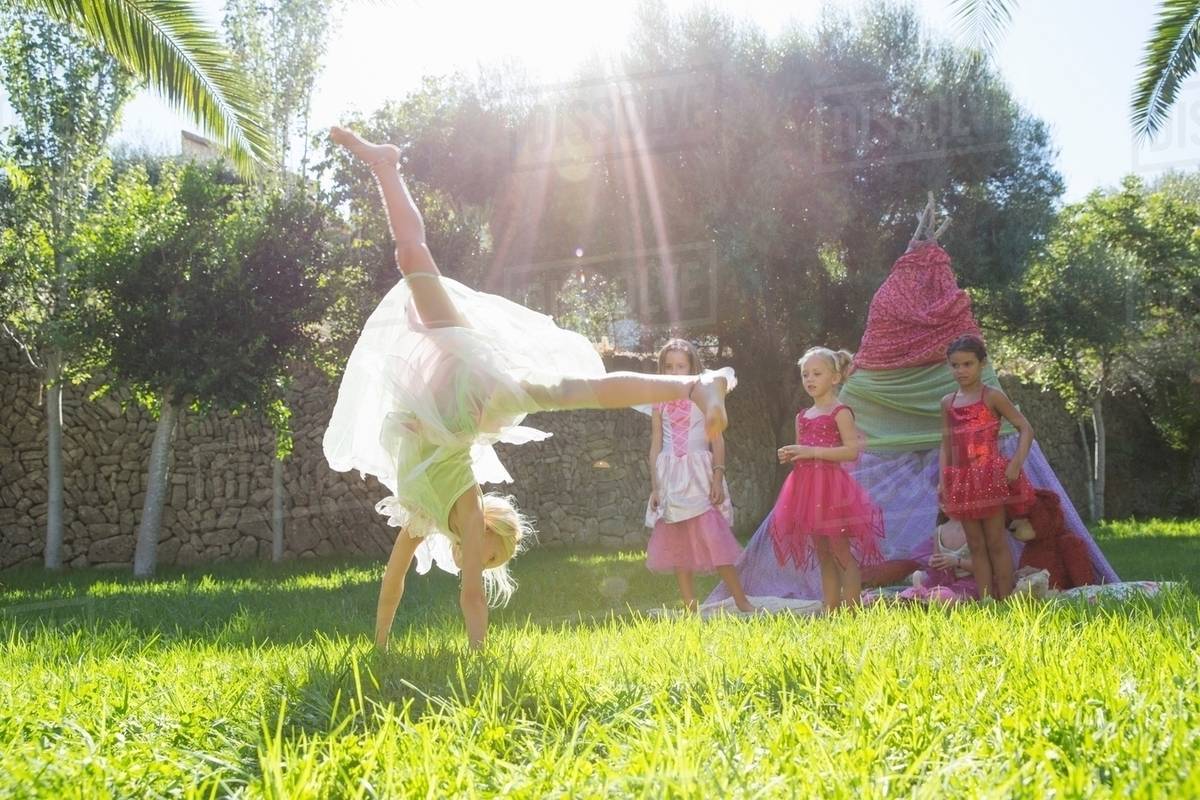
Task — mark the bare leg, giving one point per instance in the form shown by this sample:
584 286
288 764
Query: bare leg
831 579
732 582
625 389
687 589
981 564
851 574
996 537
434 305
392 587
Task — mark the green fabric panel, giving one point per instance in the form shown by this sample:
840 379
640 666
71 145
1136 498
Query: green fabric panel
899 410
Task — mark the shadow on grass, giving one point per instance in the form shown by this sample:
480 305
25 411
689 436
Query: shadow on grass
256 602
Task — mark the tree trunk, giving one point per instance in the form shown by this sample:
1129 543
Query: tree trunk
145 554
1091 483
277 512
53 554
1098 472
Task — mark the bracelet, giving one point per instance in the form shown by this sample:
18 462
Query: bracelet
718 467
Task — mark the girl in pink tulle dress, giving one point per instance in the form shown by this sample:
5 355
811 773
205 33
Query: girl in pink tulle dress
689 508
822 512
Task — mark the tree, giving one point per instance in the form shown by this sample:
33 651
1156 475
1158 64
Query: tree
165 43
1119 286
204 302
793 164
826 140
278 45
68 98
1085 317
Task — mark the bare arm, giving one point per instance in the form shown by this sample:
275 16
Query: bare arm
716 493
791 452
655 449
944 450
391 589
655 446
1000 403
467 521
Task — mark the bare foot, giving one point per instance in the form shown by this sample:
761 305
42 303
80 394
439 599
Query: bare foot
691 606
373 155
745 607
709 394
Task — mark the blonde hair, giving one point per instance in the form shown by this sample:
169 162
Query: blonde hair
842 361
681 346
500 515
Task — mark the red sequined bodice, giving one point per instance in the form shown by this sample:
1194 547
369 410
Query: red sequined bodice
974 434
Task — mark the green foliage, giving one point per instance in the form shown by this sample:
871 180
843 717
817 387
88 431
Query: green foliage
278 47
591 304
1085 315
209 288
167 45
797 162
258 680
1120 280
67 96
1170 58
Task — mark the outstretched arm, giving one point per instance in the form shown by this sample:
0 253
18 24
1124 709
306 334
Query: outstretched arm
391 588
944 450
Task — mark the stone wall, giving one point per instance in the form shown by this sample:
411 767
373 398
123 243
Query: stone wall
586 484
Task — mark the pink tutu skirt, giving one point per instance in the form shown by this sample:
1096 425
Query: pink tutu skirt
699 544
820 499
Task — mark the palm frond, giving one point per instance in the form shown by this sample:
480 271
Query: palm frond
167 44
1170 58
983 22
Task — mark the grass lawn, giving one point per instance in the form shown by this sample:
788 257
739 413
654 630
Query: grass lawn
257 680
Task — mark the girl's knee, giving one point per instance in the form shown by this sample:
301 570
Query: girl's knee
410 254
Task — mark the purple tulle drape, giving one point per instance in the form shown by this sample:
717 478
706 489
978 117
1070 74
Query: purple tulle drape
904 485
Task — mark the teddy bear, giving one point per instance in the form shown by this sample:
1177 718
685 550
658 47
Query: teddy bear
1051 546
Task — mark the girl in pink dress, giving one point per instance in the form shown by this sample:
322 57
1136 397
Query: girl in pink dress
689 508
821 510
977 482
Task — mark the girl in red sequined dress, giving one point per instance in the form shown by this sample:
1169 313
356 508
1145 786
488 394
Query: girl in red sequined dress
977 483
821 510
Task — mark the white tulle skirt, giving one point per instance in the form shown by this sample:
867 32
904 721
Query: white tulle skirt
421 407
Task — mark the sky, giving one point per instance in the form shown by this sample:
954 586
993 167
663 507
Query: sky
1073 63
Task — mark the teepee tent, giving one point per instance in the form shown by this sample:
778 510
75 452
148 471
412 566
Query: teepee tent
895 391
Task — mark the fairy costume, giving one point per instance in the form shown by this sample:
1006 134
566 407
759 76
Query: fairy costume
821 499
421 405
688 532
976 486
